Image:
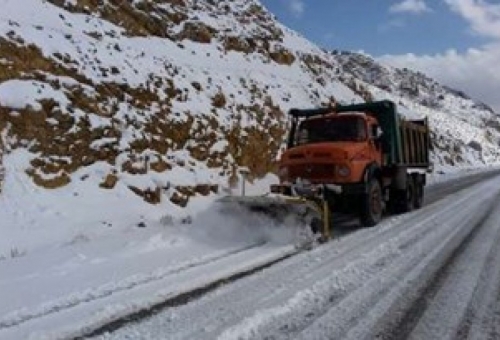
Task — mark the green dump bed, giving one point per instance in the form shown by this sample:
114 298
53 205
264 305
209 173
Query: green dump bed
405 142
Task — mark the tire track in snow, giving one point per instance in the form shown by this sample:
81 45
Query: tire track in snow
340 253
301 296
333 256
434 193
20 316
377 254
180 299
377 304
442 189
437 303
422 231
479 321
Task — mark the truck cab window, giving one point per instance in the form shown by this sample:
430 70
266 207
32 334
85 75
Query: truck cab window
336 129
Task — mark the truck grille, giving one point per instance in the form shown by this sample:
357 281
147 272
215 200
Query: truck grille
311 171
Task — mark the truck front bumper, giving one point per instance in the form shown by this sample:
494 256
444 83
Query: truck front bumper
305 189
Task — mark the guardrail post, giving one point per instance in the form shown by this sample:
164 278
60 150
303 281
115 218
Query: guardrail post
244 172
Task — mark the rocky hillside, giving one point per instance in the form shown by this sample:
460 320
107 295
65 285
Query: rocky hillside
169 98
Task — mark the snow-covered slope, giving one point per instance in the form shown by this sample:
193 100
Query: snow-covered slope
118 112
157 95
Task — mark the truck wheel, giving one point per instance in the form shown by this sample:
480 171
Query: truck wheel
372 205
419 196
316 225
402 201
408 201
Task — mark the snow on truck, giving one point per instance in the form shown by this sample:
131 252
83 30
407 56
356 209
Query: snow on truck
361 159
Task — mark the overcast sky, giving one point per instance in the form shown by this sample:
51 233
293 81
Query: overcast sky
456 42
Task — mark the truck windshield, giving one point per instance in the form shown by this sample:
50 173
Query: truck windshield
335 129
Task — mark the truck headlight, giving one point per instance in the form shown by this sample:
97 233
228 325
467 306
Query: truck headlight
343 170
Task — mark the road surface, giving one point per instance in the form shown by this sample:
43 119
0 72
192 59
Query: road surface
429 274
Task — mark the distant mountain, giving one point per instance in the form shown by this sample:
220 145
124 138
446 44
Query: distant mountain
169 98
464 130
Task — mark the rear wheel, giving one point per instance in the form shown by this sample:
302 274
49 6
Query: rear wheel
407 203
402 201
372 204
419 196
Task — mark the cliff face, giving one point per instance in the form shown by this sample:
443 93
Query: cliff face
169 98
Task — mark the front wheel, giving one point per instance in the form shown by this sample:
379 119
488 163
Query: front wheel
316 225
372 204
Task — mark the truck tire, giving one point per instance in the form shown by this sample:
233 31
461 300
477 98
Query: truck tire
372 209
409 197
316 225
419 196
402 201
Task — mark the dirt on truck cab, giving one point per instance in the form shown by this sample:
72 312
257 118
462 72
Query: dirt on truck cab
367 159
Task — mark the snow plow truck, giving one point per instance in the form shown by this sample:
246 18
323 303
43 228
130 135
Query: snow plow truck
359 159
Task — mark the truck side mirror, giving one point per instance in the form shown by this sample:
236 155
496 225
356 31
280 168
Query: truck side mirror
377 134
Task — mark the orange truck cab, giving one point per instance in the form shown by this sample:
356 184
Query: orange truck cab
364 159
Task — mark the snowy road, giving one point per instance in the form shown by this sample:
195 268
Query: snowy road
69 298
212 282
430 274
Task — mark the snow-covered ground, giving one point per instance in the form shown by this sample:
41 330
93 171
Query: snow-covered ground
62 271
65 264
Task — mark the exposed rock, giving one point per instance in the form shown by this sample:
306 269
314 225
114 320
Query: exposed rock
160 166
179 199
206 189
135 168
152 196
52 182
282 56
219 100
187 191
197 32
196 85
238 44
109 182
475 145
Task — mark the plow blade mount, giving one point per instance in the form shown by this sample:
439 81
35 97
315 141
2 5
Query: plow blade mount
314 213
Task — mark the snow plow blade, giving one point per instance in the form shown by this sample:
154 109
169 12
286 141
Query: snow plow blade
314 213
